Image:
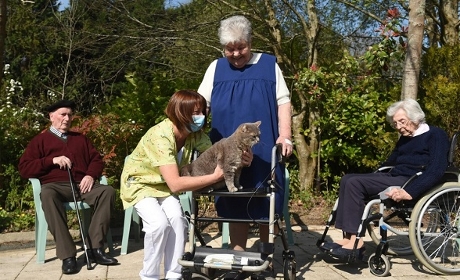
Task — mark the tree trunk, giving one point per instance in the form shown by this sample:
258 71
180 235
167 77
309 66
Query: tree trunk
306 146
448 15
414 49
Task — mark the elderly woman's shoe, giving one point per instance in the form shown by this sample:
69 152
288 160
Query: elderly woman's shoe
346 254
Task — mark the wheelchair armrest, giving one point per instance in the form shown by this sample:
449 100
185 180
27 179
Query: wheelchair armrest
411 179
384 169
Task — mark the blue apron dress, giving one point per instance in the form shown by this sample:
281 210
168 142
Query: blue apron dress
240 96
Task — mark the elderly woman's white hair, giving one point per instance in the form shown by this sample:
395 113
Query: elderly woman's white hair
235 29
413 111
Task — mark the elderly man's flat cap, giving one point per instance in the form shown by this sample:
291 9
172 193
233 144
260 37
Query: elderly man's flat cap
61 104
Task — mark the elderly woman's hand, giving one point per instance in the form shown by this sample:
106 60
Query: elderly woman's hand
398 194
286 144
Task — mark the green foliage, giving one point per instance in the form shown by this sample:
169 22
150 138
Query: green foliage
5 219
19 197
15 221
330 194
351 99
142 100
19 124
112 137
440 80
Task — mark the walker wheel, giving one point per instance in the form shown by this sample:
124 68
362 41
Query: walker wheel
379 266
289 266
186 274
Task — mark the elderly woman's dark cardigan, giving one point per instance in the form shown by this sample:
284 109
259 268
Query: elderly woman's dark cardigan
430 150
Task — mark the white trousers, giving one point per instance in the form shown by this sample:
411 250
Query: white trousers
165 228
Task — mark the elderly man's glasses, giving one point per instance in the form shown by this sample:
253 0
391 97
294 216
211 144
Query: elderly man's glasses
400 123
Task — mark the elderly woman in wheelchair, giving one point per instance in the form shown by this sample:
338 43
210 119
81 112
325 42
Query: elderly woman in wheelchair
421 147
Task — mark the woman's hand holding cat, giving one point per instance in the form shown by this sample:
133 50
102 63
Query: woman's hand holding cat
246 158
219 173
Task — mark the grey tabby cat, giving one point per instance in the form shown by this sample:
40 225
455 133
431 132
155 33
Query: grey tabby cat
227 154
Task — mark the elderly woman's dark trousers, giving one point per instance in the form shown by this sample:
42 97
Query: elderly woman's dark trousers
101 198
354 190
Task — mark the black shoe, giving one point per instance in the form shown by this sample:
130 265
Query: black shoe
69 266
98 256
347 254
328 246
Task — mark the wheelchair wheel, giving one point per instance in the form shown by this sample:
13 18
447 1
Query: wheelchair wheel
435 230
397 233
379 266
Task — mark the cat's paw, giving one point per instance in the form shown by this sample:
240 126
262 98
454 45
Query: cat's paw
232 189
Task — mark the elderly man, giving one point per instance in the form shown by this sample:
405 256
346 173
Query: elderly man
47 157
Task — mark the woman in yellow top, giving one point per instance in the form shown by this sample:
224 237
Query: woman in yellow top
150 181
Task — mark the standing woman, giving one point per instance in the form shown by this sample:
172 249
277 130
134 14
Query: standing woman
150 181
247 87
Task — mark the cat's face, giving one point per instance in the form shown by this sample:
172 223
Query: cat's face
250 133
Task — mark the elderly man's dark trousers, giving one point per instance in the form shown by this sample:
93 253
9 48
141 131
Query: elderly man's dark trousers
101 198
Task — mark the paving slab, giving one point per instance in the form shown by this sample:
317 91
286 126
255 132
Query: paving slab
18 259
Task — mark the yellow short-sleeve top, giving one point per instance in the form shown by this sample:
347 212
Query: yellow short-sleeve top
141 175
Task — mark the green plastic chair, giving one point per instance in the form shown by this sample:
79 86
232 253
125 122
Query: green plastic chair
130 214
41 226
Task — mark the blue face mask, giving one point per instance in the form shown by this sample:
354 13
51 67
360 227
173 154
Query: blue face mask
198 122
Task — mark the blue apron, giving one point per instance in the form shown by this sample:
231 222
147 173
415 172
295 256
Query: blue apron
240 96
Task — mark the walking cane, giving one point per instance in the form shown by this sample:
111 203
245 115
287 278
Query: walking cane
88 263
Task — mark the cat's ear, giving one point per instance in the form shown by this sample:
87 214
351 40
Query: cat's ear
258 123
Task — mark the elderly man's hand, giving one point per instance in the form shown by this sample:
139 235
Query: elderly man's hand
63 162
86 184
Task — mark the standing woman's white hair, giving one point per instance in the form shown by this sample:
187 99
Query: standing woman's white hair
413 111
235 29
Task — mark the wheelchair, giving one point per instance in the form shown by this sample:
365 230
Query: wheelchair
207 261
429 228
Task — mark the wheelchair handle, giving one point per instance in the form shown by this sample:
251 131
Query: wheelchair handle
453 145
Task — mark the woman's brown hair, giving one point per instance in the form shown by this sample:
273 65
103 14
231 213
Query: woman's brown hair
181 107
